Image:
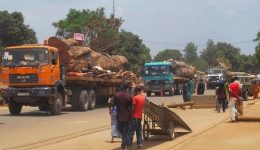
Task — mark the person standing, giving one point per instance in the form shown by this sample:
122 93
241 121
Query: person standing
255 90
226 85
123 102
201 87
190 89
221 97
185 92
113 114
234 94
136 118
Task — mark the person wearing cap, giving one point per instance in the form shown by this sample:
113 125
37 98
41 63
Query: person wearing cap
136 119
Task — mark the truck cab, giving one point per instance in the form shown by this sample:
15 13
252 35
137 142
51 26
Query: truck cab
158 77
214 75
34 78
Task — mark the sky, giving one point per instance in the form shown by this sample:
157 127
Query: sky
161 24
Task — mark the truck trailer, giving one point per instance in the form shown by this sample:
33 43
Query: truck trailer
36 77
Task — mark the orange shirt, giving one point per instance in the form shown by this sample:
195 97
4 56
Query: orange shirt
138 101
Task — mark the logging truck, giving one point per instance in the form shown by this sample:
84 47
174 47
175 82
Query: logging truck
162 77
36 77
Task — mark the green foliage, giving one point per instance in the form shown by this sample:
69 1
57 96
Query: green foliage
168 54
231 53
132 48
257 48
247 63
209 54
201 64
14 31
101 32
190 53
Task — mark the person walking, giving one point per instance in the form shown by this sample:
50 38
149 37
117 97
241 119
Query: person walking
190 89
184 92
226 85
235 96
136 119
221 97
255 90
201 87
123 102
113 114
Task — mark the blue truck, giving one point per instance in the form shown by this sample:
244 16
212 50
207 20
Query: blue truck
158 77
166 77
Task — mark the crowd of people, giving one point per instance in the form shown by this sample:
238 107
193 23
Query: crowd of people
228 93
126 110
126 106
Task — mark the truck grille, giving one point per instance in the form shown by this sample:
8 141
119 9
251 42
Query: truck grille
156 82
23 78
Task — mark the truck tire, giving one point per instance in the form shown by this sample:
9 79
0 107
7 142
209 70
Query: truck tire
14 108
148 93
56 106
171 93
92 99
245 95
83 101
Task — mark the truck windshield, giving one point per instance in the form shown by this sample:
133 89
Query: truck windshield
215 71
25 57
156 70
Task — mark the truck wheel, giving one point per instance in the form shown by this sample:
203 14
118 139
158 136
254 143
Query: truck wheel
245 95
171 93
148 93
83 101
92 99
56 106
14 108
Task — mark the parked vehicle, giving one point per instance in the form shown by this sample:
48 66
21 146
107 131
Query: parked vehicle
36 77
163 77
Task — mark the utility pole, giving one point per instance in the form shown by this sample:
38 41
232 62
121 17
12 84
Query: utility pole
113 9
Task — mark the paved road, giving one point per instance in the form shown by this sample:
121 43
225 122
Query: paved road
34 127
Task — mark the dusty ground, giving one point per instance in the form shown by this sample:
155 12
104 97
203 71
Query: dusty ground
211 131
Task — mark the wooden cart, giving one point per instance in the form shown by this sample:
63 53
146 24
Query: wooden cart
159 120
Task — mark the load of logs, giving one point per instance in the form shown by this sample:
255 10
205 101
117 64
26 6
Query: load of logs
83 61
182 69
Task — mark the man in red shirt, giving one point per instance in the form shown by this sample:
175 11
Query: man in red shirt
235 95
136 118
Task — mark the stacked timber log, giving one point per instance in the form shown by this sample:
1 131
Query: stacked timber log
182 69
83 61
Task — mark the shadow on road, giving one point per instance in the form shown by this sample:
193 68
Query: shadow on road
154 140
32 114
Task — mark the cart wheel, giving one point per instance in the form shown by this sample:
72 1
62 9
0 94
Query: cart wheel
146 130
171 130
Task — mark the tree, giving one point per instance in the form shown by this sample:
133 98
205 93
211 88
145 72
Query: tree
201 64
209 54
168 54
257 48
13 31
229 52
190 53
101 32
132 48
